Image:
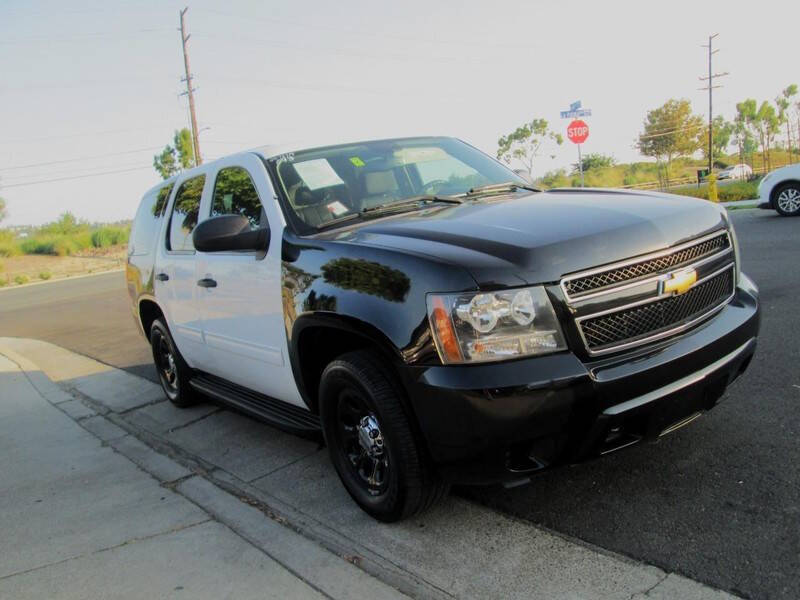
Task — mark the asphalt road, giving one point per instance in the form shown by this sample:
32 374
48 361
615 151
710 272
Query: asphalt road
718 501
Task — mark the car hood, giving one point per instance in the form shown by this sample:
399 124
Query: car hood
540 237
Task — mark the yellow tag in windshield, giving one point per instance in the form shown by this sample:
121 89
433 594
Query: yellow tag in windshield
357 161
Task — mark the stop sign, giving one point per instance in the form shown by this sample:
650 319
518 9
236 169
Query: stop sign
577 131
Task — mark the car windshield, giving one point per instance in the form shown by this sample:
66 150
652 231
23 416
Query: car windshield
323 186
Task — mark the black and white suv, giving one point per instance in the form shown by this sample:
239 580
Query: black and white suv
433 316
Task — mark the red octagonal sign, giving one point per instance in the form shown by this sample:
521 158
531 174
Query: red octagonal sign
577 131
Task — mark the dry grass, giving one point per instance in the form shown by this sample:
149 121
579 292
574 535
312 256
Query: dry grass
34 266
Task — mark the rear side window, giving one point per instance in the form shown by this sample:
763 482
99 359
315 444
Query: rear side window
185 210
235 194
148 220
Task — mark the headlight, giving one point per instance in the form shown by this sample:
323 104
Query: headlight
489 326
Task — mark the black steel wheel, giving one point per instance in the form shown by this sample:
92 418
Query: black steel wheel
173 372
371 442
359 436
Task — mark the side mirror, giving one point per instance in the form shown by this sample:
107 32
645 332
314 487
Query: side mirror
525 175
229 233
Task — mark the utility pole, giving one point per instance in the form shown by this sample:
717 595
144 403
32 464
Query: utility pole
189 89
710 88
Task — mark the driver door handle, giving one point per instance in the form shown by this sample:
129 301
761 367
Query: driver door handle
207 283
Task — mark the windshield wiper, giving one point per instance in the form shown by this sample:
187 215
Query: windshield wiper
338 220
508 186
414 202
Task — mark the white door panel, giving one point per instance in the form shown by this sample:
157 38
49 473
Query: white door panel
178 294
242 317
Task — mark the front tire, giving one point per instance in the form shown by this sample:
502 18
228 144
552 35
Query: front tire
173 372
787 200
371 442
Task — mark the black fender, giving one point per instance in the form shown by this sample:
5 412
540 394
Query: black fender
371 294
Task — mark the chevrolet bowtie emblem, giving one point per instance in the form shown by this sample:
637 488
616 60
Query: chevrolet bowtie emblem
677 283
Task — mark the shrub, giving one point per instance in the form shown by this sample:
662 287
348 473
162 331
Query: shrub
38 245
3 282
20 279
8 247
109 236
45 275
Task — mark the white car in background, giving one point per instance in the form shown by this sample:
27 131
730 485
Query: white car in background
740 171
780 190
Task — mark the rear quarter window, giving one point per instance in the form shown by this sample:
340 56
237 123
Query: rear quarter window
149 218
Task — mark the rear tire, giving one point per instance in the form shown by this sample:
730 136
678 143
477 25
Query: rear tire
371 443
173 372
787 199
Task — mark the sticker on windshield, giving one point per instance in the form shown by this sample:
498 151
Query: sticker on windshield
337 208
317 173
357 161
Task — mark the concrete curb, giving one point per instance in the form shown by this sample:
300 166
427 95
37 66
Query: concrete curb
488 553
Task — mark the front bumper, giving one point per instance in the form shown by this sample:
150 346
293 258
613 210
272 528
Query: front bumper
503 421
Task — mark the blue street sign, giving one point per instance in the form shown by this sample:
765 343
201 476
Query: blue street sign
575 105
572 114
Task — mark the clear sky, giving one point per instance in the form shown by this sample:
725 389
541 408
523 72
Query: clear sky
100 79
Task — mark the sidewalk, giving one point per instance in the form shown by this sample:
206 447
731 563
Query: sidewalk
276 491
80 520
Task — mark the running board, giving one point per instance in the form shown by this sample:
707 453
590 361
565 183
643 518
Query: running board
276 412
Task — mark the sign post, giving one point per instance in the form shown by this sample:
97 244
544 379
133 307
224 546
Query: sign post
577 130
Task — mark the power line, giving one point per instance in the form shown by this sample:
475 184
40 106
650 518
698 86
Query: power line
379 34
74 135
69 170
68 160
13 185
83 36
671 131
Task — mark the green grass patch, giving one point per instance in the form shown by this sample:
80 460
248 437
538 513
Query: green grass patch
20 279
741 190
45 275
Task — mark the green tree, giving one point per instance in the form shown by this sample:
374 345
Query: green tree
768 126
166 163
176 158
670 131
525 143
66 224
784 102
182 142
3 211
747 122
595 160
722 132
744 140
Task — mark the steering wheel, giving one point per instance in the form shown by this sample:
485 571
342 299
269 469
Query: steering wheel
427 187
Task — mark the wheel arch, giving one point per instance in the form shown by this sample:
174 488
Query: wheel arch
149 310
316 340
773 194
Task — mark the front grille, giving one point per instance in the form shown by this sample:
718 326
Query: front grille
637 270
646 320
